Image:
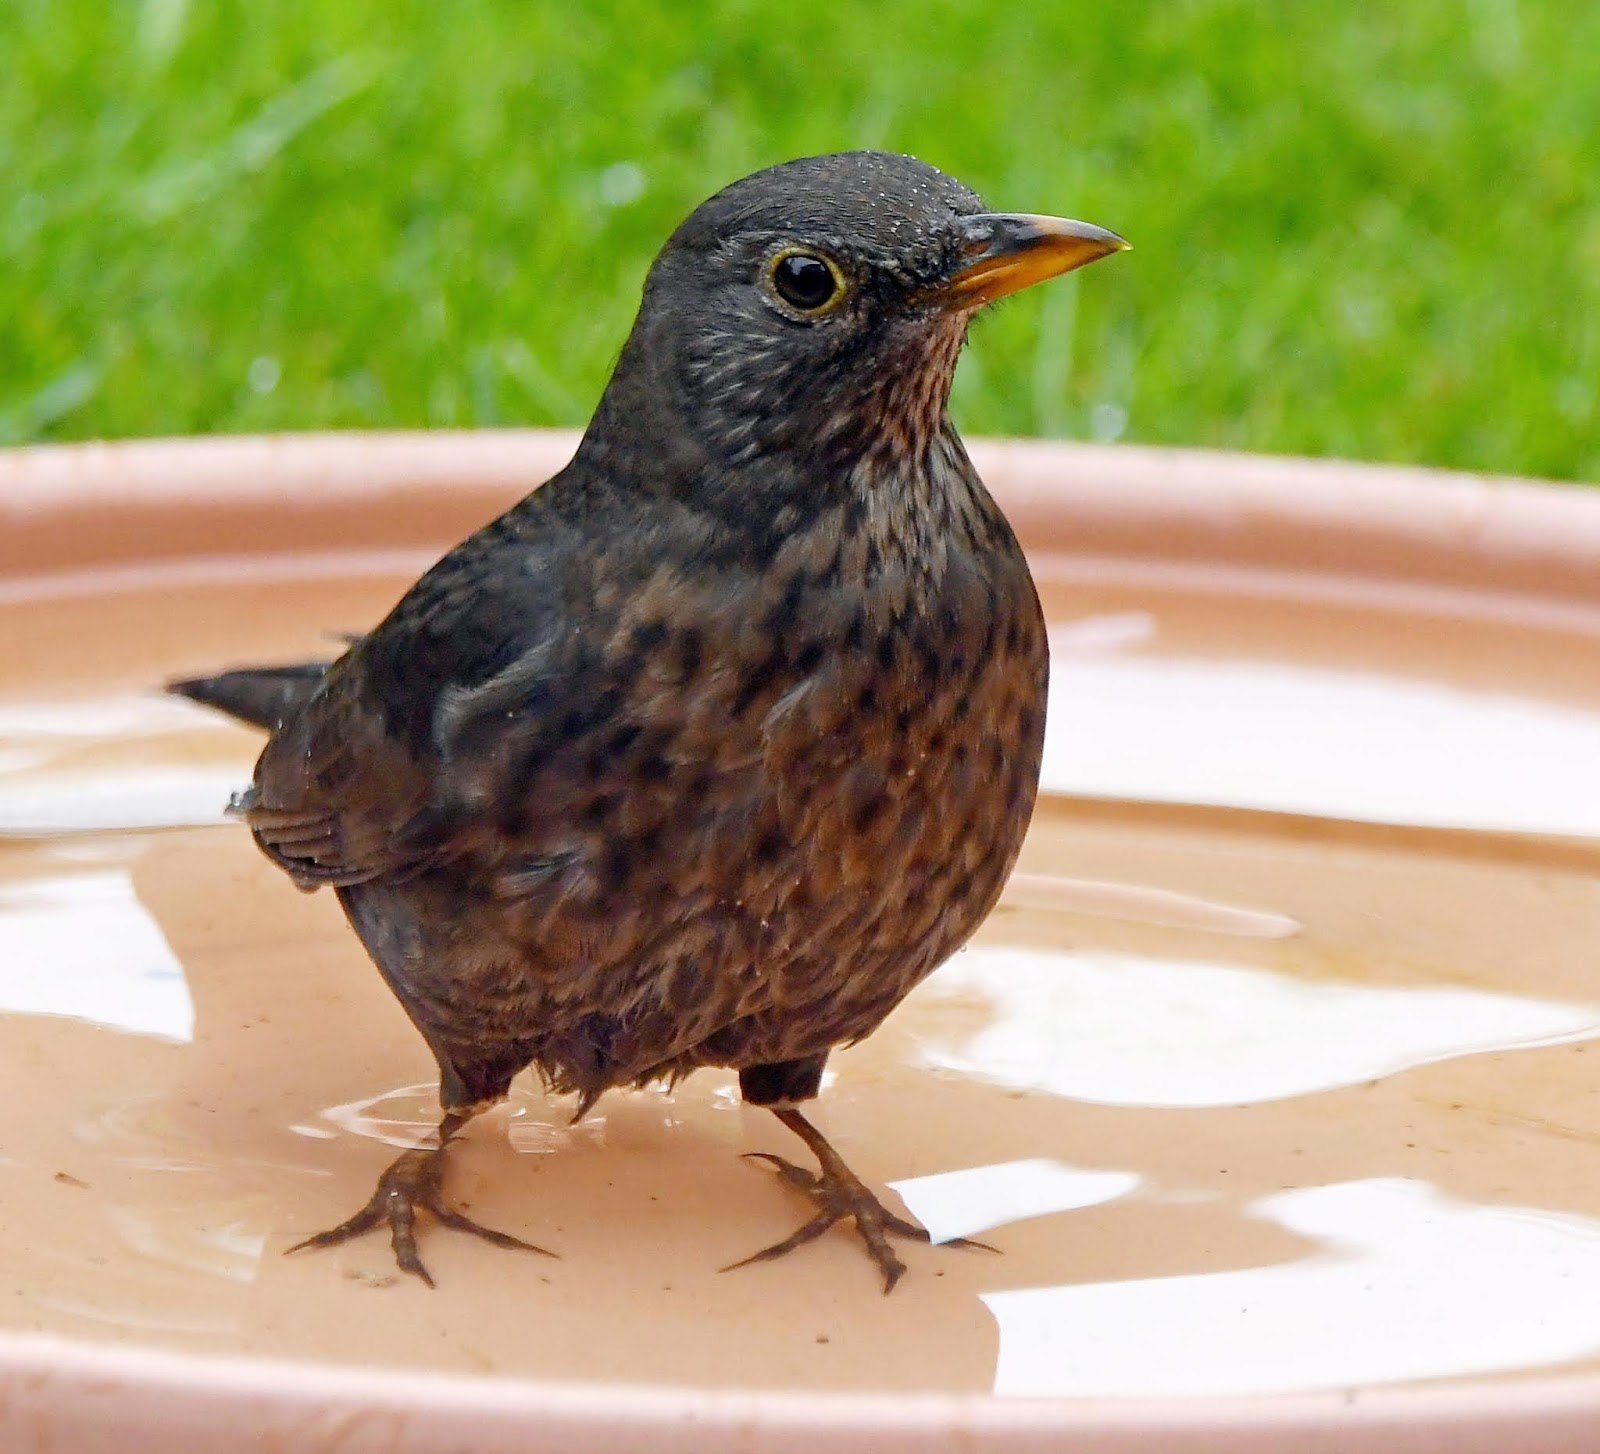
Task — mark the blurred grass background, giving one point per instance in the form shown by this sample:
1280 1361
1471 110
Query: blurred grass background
1360 230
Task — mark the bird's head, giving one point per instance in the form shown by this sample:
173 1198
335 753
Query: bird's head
818 307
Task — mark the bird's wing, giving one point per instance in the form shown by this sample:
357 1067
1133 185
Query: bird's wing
360 782
337 800
533 702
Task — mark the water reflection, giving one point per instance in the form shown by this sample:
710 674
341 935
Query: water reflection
1131 1031
115 762
537 1123
1408 1284
83 945
1103 631
215 1238
90 719
1144 904
169 1264
97 800
405 1117
964 1203
1293 738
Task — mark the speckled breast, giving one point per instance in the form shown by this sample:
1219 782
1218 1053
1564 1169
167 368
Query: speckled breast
903 779
806 789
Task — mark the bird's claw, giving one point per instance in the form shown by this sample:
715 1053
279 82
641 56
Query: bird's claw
797 1176
414 1180
839 1195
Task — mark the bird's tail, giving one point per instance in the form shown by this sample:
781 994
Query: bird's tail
264 696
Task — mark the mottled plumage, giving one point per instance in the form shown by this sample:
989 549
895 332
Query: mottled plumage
709 750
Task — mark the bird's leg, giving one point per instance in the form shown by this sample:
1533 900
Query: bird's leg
838 1193
415 1179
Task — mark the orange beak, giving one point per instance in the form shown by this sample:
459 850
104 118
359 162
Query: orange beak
1008 251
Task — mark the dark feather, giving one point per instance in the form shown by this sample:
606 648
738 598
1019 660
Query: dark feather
263 696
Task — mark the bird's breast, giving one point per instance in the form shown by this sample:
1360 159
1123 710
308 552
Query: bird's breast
897 773
805 788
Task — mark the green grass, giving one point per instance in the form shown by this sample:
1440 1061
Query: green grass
1360 230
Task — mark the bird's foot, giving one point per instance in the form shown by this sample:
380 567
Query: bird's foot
414 1181
838 1193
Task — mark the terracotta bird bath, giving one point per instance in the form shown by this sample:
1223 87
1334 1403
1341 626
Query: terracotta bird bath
1273 1078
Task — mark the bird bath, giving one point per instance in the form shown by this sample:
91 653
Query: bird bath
1272 1077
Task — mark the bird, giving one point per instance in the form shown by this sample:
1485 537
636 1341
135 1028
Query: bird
713 746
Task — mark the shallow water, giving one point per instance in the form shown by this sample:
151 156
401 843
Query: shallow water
1271 1072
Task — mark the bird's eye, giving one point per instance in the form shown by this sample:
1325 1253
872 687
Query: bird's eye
807 281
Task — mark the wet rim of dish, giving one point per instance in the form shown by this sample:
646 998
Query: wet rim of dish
137 1390
1351 521
1379 523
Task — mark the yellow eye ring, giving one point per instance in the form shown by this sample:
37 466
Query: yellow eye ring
806 281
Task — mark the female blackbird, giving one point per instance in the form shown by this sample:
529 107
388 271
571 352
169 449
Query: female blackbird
709 750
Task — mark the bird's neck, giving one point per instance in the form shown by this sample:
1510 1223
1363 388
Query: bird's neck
909 514
878 462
